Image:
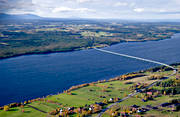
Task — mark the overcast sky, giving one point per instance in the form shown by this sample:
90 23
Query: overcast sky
120 9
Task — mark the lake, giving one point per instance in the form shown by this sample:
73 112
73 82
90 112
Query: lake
31 76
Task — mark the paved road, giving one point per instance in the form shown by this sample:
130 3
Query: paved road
130 95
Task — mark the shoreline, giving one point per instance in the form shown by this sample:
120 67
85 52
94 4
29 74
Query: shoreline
99 81
78 48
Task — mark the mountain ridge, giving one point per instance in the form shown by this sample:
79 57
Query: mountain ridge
19 16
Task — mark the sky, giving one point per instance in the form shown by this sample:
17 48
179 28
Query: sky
106 9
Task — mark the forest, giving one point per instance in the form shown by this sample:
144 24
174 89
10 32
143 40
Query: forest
46 36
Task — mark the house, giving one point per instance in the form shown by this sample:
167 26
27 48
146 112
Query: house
111 99
149 93
90 109
139 111
144 109
70 108
175 107
60 111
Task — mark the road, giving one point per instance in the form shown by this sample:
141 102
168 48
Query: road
135 93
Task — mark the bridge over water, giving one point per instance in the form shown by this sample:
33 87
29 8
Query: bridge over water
134 57
138 58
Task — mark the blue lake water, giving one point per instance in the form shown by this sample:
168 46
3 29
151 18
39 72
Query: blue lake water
33 76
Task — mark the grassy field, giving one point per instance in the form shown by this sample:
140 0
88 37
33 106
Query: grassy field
17 112
94 92
79 98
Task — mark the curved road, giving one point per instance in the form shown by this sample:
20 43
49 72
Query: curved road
138 58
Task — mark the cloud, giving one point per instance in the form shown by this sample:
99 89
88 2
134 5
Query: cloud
157 11
82 1
94 8
132 4
61 9
120 4
16 5
170 12
3 1
139 10
177 1
67 9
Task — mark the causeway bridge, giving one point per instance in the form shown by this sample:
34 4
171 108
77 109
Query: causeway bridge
134 57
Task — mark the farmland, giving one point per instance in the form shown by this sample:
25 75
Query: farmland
46 36
90 98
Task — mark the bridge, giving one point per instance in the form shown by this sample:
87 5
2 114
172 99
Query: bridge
138 58
134 57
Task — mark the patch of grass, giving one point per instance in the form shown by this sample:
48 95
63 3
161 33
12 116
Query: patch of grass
17 112
91 94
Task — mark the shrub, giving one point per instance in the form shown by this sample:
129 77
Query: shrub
6 108
54 112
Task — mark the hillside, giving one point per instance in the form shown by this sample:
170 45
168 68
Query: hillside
163 99
4 16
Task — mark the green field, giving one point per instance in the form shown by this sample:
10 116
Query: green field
79 98
100 91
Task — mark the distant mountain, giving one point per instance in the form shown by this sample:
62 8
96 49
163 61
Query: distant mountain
19 16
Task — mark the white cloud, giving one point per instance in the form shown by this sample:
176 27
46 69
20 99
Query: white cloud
61 9
67 9
120 4
177 1
132 4
82 1
157 11
94 8
154 10
162 10
139 10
